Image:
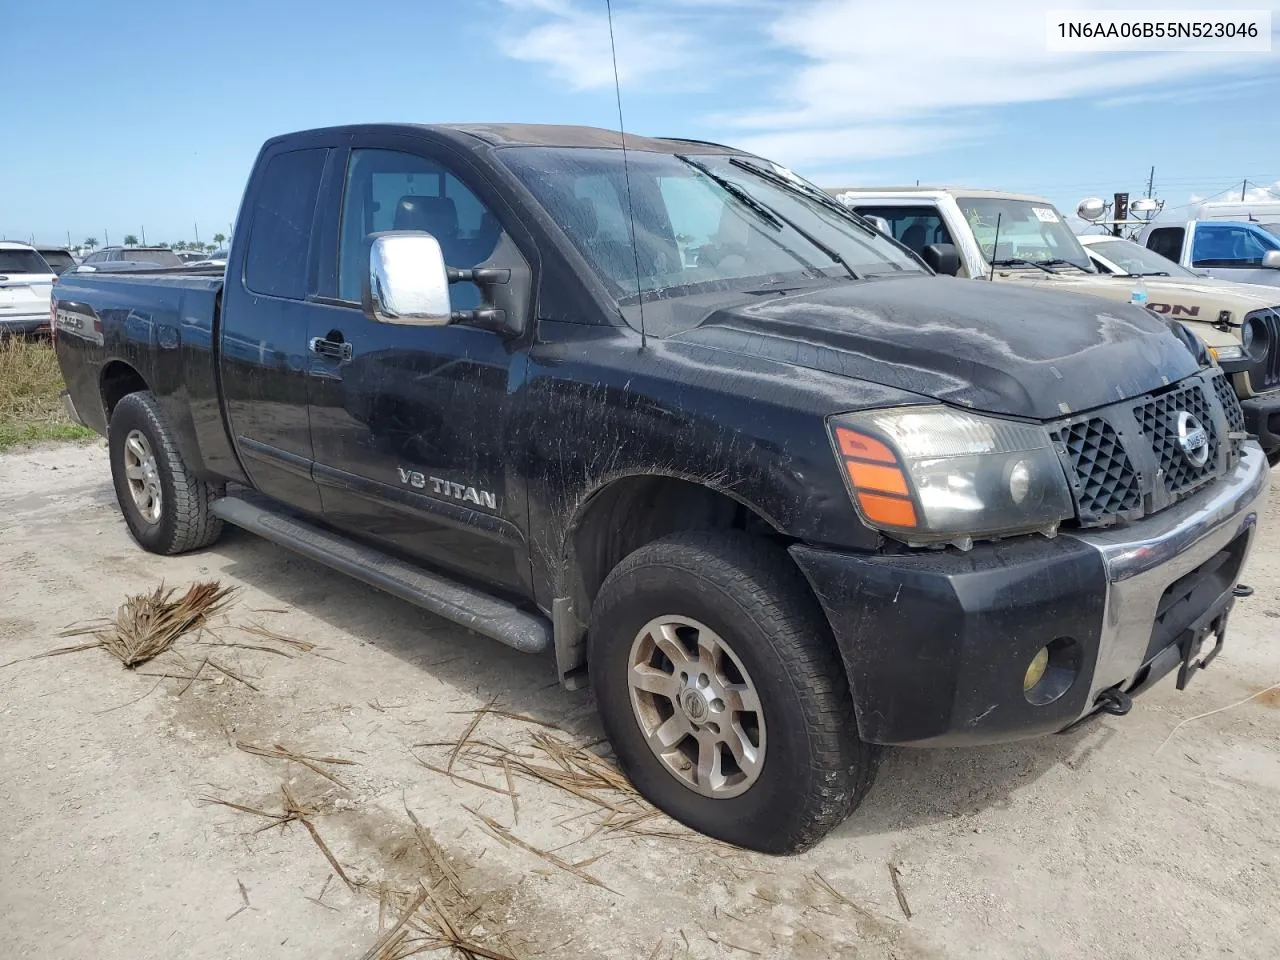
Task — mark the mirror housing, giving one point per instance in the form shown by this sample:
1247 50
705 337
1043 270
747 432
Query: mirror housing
407 282
1091 209
1271 260
942 258
880 223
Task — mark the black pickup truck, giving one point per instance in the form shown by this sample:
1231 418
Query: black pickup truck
674 415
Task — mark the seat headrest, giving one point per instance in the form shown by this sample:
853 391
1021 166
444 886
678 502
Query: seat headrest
438 216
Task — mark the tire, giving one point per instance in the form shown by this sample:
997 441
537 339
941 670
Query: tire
1273 457
181 519
749 595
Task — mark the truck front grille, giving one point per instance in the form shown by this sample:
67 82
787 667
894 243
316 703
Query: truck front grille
1158 421
1107 483
1230 404
1125 462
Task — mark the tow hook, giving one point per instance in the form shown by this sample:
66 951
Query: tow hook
1114 701
1242 590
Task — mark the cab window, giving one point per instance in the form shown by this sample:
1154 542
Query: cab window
913 227
1167 241
390 190
1230 245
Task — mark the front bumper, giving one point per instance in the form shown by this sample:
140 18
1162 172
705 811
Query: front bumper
1262 419
936 644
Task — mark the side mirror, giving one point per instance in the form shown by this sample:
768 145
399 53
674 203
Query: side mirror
1271 260
881 224
942 258
408 282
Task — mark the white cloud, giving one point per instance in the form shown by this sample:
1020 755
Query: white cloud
865 78
573 42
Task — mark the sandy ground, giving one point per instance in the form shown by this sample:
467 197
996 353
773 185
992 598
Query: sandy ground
1091 844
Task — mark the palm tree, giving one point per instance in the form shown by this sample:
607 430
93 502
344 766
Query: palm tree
130 240
219 239
180 245
89 242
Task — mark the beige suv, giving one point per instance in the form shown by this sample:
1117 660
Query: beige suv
1015 238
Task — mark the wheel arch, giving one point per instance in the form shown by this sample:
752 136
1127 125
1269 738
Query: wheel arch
620 516
117 380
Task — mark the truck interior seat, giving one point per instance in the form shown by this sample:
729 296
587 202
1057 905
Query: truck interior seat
914 237
438 216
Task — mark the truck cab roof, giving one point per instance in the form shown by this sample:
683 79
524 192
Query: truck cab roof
935 192
473 135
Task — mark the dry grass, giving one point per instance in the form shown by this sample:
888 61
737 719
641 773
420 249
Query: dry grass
30 387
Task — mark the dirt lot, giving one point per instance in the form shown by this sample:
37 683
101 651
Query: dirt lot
1091 844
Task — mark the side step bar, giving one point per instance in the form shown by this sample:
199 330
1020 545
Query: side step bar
463 605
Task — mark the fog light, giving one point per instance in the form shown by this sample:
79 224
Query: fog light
1035 672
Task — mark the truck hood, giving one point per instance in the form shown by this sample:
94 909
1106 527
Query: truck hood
1181 298
999 348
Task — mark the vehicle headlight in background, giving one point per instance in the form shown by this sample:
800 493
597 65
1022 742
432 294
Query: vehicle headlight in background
931 473
1232 351
1255 339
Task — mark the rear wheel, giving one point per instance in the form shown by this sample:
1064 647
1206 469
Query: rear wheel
166 508
722 692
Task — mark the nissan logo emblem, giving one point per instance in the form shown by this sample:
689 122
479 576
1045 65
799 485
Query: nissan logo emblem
1193 439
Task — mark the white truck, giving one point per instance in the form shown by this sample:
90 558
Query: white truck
1228 249
1017 238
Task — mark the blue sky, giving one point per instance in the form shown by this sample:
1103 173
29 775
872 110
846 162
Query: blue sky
124 116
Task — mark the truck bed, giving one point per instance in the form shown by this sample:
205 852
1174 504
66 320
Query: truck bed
162 323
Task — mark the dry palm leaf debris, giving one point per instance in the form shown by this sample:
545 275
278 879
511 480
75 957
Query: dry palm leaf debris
148 624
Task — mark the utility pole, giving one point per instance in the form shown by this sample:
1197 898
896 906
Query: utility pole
68 239
1151 181
197 226
106 238
1244 186
144 236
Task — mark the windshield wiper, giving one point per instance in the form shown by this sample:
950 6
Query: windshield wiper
778 219
1151 273
1018 262
742 196
1059 262
812 193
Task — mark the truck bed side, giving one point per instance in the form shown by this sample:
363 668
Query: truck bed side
121 332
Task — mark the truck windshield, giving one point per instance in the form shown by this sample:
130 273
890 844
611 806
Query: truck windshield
1137 261
702 223
1029 231
1230 245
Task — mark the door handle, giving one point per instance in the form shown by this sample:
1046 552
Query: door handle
333 349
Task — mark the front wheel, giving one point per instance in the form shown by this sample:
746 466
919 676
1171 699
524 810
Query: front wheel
722 692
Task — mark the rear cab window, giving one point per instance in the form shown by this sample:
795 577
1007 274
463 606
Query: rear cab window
915 227
279 245
22 261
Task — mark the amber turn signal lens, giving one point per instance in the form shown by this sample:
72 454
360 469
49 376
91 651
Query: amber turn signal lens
871 476
891 511
862 447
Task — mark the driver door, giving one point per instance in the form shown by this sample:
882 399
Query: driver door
410 424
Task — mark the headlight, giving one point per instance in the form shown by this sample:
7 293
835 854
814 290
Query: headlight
1254 338
928 474
1233 351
